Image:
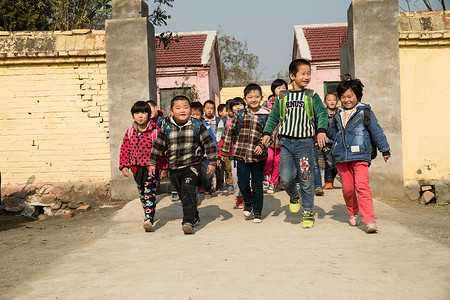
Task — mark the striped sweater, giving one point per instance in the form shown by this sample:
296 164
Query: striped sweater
296 123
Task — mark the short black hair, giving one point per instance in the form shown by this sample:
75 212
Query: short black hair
221 107
237 101
228 103
329 94
276 83
293 66
197 106
348 83
152 103
140 107
252 87
209 102
179 98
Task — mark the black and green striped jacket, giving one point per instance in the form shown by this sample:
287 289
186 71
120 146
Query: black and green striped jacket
295 123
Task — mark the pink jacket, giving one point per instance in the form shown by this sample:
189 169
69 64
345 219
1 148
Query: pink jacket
135 149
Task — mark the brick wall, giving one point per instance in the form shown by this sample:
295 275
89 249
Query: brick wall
53 107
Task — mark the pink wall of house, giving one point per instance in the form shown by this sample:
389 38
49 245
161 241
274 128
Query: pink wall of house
321 72
214 79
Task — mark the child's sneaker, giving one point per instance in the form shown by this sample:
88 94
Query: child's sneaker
196 221
308 219
266 180
247 210
294 205
230 188
257 218
318 191
353 221
328 186
201 190
371 227
175 197
147 226
239 202
187 228
271 189
208 195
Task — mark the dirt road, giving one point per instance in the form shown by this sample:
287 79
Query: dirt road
229 257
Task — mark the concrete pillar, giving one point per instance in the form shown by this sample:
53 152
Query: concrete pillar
131 67
373 48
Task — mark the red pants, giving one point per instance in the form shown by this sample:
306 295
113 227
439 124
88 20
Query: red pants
355 180
272 167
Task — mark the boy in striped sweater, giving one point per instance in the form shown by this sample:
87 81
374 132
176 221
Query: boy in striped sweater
297 112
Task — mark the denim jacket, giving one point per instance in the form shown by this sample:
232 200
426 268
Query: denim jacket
353 142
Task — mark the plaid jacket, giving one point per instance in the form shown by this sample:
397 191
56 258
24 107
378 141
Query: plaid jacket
248 138
182 145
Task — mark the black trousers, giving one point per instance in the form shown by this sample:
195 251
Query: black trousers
185 181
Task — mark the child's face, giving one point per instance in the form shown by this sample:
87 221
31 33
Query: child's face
253 99
236 108
331 101
302 78
196 113
209 110
230 112
280 88
348 99
141 118
154 111
181 111
223 113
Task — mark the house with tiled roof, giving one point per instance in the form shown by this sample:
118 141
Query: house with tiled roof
189 65
320 44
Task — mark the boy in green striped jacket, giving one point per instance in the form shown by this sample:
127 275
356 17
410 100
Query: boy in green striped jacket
302 116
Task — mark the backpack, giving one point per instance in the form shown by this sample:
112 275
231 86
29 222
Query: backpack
240 119
308 106
165 127
374 153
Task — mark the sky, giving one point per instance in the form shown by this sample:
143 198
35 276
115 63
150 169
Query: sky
267 26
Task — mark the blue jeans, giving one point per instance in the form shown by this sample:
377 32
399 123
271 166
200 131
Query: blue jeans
296 163
317 176
255 173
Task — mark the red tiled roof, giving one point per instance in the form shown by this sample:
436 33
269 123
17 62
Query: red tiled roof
187 51
324 41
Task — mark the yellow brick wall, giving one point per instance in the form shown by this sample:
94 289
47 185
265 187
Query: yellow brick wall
54 119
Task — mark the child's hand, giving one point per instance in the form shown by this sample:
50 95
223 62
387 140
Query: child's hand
210 170
151 171
125 172
219 163
321 139
258 150
386 157
162 174
265 140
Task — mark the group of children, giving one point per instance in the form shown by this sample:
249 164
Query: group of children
249 143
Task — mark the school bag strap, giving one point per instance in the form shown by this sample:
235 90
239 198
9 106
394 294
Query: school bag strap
367 116
282 101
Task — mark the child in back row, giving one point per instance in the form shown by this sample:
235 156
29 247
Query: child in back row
296 110
206 179
220 170
272 168
186 140
330 167
248 150
354 125
236 104
134 154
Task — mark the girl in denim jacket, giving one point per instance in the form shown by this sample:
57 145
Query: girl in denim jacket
352 150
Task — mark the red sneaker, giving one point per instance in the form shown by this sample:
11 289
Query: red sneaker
239 202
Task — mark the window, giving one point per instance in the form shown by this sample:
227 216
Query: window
330 87
166 95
